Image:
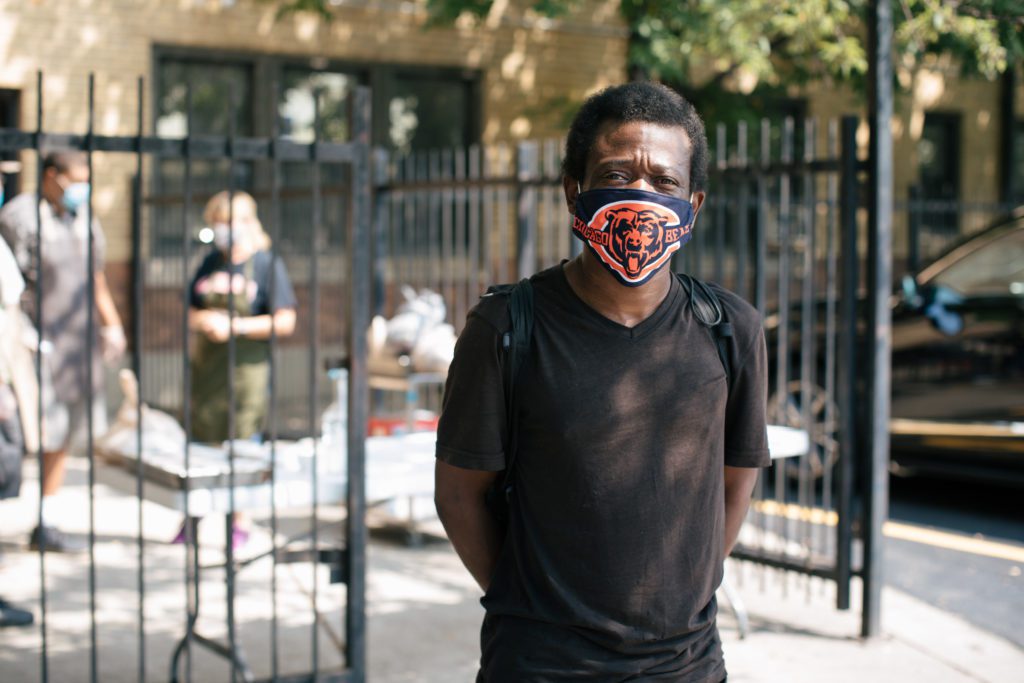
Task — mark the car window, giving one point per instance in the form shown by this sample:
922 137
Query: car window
996 268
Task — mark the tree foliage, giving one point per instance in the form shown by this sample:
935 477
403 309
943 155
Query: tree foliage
721 50
785 41
776 41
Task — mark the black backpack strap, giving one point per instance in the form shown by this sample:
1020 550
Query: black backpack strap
708 310
515 344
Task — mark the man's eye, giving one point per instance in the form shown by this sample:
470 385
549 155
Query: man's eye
616 175
664 180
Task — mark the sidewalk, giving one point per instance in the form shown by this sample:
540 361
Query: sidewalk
423 613
424 620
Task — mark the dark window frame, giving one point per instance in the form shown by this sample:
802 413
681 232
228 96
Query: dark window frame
266 72
952 122
268 68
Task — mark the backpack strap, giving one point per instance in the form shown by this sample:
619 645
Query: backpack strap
515 344
708 310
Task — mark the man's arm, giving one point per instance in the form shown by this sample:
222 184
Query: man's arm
109 316
739 484
114 342
459 497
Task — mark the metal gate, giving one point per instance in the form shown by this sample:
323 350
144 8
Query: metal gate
322 545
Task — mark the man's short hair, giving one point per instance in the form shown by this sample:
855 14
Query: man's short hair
64 160
639 101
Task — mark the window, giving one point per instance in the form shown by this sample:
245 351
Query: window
429 112
938 158
296 110
995 268
213 83
413 108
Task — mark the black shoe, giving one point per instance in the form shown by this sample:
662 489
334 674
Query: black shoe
14 616
54 540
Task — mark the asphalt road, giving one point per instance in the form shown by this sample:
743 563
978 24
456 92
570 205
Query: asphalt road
937 558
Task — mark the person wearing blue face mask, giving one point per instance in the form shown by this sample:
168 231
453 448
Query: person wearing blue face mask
59 216
635 452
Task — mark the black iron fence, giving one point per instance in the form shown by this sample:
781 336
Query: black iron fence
293 480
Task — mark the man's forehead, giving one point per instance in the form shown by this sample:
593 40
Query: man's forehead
77 171
631 133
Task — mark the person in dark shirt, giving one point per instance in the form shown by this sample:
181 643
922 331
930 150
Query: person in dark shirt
236 274
635 454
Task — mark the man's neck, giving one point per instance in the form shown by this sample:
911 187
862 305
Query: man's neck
56 204
627 306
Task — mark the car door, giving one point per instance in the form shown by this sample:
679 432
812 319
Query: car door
958 337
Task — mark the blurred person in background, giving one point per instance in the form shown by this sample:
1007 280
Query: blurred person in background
59 213
18 396
241 262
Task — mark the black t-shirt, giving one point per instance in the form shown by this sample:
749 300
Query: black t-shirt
615 536
211 277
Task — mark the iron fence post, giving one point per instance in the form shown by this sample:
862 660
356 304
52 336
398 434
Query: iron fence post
913 227
37 144
359 279
847 371
879 286
137 296
380 171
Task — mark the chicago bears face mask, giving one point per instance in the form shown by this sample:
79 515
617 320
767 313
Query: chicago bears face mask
633 233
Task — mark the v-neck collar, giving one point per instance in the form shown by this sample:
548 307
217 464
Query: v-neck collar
636 331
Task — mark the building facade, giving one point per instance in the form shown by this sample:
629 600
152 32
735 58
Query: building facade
510 77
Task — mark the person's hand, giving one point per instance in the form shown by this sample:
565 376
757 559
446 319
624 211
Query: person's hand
216 326
113 343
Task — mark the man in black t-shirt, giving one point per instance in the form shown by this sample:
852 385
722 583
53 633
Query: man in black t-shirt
635 454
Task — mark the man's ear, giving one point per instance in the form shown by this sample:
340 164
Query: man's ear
570 186
697 200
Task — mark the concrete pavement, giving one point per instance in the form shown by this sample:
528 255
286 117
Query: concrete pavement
423 612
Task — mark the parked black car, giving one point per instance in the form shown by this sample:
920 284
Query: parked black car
957 366
958 361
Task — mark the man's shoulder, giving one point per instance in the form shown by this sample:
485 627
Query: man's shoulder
492 308
493 305
20 212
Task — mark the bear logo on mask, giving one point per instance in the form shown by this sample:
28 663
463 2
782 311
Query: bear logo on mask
638 237
635 237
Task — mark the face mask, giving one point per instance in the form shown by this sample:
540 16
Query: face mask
633 233
75 196
222 237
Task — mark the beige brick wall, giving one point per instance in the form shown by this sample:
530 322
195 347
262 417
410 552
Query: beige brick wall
529 67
